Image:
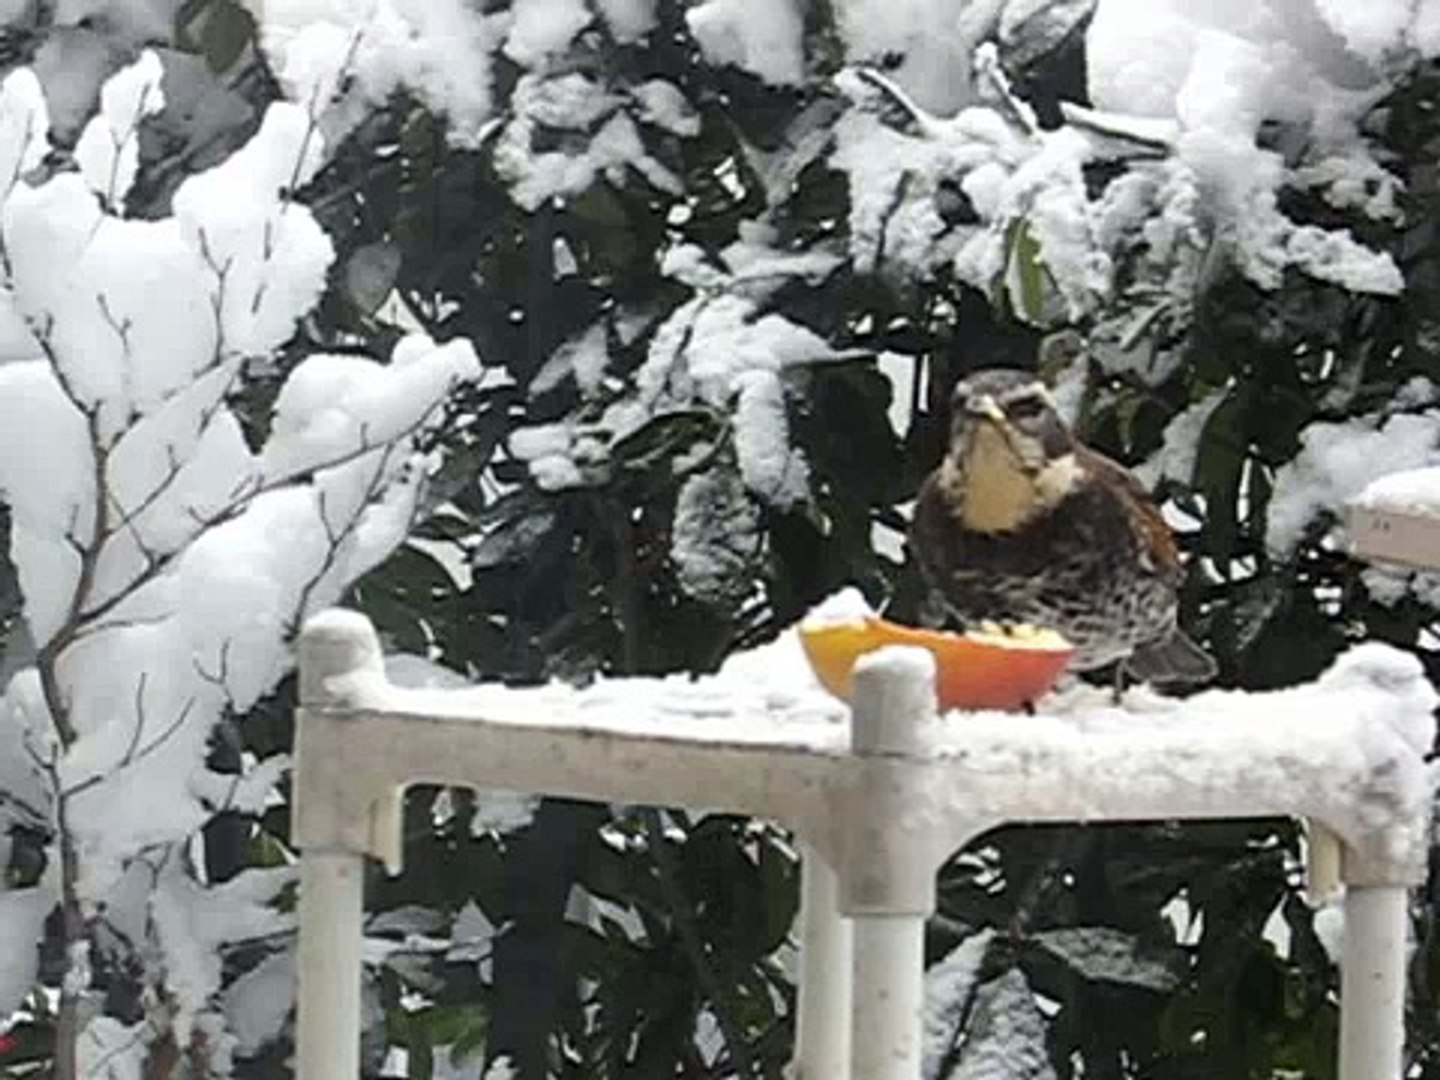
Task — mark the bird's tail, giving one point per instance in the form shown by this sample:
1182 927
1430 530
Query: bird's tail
1174 660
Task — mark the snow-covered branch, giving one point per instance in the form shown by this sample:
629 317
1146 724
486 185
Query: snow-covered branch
164 564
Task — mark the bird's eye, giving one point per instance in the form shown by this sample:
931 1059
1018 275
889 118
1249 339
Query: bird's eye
1025 408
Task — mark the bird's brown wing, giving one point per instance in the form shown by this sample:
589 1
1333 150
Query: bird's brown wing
1155 536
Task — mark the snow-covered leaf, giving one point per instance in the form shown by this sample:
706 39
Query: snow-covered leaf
22 916
1005 1038
950 987
1104 954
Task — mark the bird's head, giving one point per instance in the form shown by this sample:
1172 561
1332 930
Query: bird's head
1011 456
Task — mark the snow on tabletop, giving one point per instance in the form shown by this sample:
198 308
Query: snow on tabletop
1372 707
840 609
1411 491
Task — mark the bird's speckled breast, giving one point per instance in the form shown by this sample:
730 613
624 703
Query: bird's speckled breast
1078 569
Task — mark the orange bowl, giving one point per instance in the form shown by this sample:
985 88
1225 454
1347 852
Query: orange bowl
982 669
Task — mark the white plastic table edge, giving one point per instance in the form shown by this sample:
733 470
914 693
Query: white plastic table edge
869 814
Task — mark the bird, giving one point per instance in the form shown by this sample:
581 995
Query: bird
1021 522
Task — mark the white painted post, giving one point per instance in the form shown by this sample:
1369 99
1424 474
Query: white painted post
889 872
888 995
328 1036
822 1035
332 873
1372 983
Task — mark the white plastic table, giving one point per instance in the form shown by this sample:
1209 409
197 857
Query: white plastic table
880 795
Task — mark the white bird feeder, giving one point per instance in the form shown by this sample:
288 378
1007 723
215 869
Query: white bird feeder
881 794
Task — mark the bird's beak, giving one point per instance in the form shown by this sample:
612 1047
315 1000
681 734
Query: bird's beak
987 407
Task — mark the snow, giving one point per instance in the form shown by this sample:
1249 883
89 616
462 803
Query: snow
763 37
1195 84
543 28
842 608
1104 954
112 1050
583 358
933 40
358 404
1338 461
1346 749
1180 443
108 152
165 564
770 465
607 142
1329 927
949 987
257 1004
629 20
1408 491
721 351
1006 1036
716 537
1383 26
345 58
664 105
24 127
22 919
193 922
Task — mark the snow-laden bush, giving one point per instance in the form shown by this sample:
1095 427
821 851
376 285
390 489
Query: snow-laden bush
164 561
686 228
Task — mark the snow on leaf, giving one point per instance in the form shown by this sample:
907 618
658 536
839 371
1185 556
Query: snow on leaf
763 37
50 496
715 537
602 140
194 922
110 1050
22 920
257 1004
1336 462
350 56
543 28
772 466
949 987
1005 1038
89 280
927 45
334 405
1104 954
264 257
108 151
1180 443
629 20
24 127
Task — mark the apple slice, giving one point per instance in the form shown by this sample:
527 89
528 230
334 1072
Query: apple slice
990 668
